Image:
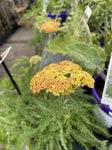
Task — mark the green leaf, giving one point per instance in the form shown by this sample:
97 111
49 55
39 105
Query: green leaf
90 57
61 134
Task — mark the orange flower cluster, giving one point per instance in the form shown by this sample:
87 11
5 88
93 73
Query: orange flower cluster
62 78
49 26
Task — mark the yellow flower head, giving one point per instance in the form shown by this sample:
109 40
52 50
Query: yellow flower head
62 78
35 59
49 26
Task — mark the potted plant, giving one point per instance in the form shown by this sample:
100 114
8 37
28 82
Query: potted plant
83 48
57 113
50 118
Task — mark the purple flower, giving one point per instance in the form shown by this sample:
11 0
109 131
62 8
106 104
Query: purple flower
62 15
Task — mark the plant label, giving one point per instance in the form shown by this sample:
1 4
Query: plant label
107 92
45 5
87 13
4 54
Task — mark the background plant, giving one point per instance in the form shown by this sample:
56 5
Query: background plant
100 12
73 19
54 8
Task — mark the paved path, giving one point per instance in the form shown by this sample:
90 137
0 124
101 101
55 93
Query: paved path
20 46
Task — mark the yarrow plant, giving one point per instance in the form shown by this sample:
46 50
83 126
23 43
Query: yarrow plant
49 26
62 78
47 121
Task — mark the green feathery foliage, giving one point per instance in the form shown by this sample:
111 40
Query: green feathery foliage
47 122
21 61
55 122
90 57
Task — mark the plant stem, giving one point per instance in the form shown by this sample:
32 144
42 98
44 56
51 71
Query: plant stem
58 12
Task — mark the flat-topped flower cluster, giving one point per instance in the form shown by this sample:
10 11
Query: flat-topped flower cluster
35 59
49 26
63 78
